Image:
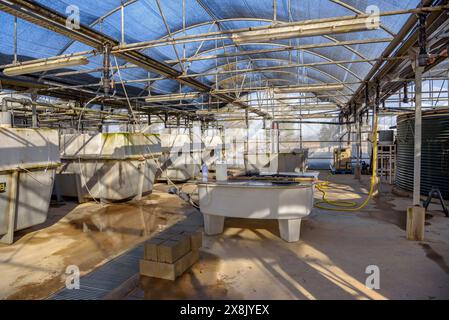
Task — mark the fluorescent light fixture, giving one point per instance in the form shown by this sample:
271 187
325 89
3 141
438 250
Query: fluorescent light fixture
32 67
310 88
173 97
297 30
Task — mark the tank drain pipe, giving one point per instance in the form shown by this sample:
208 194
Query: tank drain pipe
184 196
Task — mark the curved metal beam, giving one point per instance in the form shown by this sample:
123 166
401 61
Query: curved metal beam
336 99
215 21
100 19
357 11
306 76
202 24
305 50
294 75
277 60
96 21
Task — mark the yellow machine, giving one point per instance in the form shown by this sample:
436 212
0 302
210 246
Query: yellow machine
342 158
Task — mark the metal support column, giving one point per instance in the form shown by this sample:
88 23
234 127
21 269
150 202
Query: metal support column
15 40
418 129
358 169
122 16
416 213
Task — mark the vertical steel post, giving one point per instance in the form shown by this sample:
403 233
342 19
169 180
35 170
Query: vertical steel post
418 128
106 69
122 12
33 116
15 39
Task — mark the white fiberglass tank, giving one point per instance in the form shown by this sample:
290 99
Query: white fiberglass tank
212 150
180 161
108 166
288 203
28 161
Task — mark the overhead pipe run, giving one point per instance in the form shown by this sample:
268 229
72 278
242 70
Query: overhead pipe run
26 102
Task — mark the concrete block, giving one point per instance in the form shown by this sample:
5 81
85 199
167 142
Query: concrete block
415 223
168 271
289 229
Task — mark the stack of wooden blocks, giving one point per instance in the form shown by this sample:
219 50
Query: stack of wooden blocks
170 253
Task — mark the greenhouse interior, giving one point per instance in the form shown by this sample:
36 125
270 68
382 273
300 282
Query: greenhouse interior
224 150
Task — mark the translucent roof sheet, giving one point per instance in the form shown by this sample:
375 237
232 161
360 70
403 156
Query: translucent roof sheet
144 22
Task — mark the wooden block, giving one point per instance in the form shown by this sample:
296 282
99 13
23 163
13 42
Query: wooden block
150 248
186 262
157 269
168 271
182 228
171 250
196 239
167 233
415 223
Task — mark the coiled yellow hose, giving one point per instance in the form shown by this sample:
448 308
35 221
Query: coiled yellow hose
346 205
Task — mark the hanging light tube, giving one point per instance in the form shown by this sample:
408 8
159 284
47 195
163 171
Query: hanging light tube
311 88
33 67
173 97
272 33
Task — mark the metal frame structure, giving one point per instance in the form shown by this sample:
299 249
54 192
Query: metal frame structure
215 88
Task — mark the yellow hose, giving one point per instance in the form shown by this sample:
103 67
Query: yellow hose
346 205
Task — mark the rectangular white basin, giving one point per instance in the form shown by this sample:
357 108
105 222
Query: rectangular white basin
108 166
28 161
288 203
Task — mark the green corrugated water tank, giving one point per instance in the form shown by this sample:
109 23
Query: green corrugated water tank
435 152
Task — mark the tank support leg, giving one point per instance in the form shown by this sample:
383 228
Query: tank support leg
8 238
289 229
213 224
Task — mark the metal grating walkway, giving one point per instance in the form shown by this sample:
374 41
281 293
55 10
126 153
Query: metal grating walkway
99 283
102 281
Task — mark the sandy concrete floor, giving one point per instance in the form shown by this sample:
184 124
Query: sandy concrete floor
250 261
86 235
